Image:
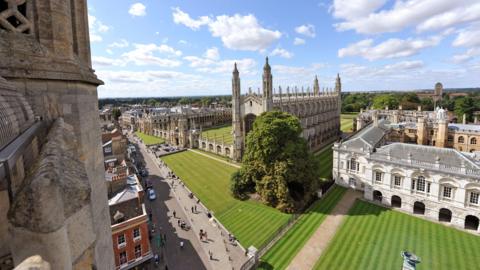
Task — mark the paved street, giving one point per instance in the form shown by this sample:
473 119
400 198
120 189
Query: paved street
196 253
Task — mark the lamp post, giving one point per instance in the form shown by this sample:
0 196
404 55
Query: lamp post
410 261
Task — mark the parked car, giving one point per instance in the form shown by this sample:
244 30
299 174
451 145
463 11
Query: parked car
151 194
148 184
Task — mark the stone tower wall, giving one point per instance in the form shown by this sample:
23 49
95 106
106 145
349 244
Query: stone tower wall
47 59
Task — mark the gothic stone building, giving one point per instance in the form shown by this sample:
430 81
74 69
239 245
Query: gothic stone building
426 128
440 184
53 199
181 126
318 112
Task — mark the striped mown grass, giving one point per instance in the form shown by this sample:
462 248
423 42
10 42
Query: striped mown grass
325 158
219 134
149 139
346 122
283 252
372 237
251 222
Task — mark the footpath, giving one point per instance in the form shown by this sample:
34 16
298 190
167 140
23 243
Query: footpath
309 254
225 255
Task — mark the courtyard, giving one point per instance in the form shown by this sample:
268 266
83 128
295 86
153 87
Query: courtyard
219 134
283 252
148 139
372 237
346 121
250 221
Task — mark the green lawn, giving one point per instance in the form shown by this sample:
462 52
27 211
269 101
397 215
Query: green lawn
372 237
325 158
219 133
346 121
251 222
282 253
149 139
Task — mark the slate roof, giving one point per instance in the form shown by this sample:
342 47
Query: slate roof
368 137
427 155
464 127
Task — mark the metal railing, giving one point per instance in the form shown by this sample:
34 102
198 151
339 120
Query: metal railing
14 150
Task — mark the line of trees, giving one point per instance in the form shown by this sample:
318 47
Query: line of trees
353 102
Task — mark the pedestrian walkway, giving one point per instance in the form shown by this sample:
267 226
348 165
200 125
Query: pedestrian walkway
309 254
214 158
225 255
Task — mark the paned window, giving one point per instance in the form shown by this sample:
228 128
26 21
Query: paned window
138 251
447 192
378 176
474 197
397 180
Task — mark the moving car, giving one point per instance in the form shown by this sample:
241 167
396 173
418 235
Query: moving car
151 194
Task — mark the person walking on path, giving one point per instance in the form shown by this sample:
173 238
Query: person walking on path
195 208
174 214
192 209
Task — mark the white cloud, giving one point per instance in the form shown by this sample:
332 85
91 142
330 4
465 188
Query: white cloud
354 9
282 53
105 61
138 9
462 14
466 56
144 54
299 41
243 33
180 17
183 42
96 27
391 48
306 29
122 43
237 32
468 37
363 18
212 54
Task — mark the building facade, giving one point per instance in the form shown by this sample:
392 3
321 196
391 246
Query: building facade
440 184
181 126
53 199
434 128
318 111
129 219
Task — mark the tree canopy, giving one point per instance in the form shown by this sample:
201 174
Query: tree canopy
277 164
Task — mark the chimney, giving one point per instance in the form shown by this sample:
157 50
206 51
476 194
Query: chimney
464 121
419 108
375 119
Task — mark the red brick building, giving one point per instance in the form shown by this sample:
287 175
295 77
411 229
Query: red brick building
129 219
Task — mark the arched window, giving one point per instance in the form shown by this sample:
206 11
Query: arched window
461 139
473 141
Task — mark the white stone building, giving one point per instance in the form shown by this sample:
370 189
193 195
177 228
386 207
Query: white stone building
440 184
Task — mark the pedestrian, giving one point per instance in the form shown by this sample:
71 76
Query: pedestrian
211 255
165 238
195 207
192 209
181 244
178 221
174 214
166 267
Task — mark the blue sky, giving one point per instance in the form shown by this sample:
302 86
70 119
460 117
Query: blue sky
176 48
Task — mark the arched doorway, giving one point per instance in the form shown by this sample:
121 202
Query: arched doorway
248 120
445 215
419 208
204 145
210 147
377 196
219 149
471 222
227 151
396 201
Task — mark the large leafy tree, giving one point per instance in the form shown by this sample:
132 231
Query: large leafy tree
277 163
